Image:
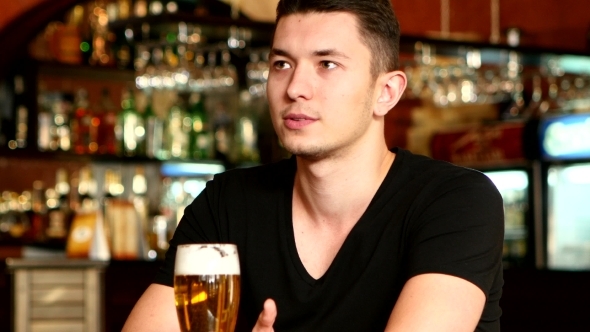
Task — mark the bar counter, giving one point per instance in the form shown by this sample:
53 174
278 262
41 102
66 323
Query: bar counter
121 284
533 300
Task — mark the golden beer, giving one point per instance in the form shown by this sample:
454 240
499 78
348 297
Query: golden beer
207 303
207 287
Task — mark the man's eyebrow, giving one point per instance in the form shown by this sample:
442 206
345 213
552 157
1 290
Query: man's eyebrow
279 52
330 52
326 52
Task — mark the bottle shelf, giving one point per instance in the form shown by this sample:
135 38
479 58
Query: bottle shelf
32 154
57 69
574 62
215 28
219 21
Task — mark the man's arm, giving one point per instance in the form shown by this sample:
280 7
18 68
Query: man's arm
154 312
437 302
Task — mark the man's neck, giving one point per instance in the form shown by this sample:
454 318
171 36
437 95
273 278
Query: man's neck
335 192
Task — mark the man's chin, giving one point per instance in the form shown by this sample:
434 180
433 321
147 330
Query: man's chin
312 154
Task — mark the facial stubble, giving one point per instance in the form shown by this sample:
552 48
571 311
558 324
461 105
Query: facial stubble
326 150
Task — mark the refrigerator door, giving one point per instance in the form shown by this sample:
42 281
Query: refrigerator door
513 185
568 217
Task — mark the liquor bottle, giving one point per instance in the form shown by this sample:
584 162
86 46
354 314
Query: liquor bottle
14 221
5 221
112 188
5 113
87 190
246 129
38 216
102 53
87 29
201 140
229 73
131 126
178 127
62 188
123 50
61 111
44 121
67 38
196 73
154 127
107 116
87 238
21 115
223 131
141 205
57 219
83 125
59 212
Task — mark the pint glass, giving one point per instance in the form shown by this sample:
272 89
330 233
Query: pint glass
207 287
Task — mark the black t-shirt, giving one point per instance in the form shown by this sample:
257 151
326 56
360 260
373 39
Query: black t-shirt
427 216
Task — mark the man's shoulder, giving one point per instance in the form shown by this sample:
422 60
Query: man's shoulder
425 169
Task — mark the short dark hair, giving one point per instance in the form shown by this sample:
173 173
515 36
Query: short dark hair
378 26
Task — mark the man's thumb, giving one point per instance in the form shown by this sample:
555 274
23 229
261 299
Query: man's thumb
269 314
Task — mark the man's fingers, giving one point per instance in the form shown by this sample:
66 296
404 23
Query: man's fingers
267 317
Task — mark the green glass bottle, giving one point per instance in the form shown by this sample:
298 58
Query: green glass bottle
201 140
131 127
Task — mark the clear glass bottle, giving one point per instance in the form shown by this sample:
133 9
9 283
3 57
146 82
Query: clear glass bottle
87 190
154 127
178 127
61 109
44 121
247 129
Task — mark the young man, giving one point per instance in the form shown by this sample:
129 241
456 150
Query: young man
346 235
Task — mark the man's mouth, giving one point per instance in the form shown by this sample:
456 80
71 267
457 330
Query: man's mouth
298 121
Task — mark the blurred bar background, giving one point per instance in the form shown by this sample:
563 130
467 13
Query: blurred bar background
115 113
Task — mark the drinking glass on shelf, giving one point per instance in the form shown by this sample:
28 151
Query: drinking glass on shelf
207 287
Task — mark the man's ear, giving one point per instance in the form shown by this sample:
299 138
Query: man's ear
391 86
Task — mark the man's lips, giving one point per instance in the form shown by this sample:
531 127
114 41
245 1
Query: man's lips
297 121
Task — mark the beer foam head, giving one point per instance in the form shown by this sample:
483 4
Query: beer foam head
207 259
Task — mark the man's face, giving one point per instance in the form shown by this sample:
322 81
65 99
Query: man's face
320 87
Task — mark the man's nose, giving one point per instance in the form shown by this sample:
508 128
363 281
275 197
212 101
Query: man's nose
300 84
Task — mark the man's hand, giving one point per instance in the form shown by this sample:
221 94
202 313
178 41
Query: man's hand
267 317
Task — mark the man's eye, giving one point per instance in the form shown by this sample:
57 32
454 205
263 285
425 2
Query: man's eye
282 65
327 64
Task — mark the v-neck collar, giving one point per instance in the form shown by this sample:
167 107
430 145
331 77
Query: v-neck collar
289 233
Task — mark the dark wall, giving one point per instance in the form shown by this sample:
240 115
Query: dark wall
563 24
535 300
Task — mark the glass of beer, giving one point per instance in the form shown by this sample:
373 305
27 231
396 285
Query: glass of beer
207 287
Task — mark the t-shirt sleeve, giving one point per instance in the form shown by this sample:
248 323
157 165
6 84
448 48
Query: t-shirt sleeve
460 231
197 225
